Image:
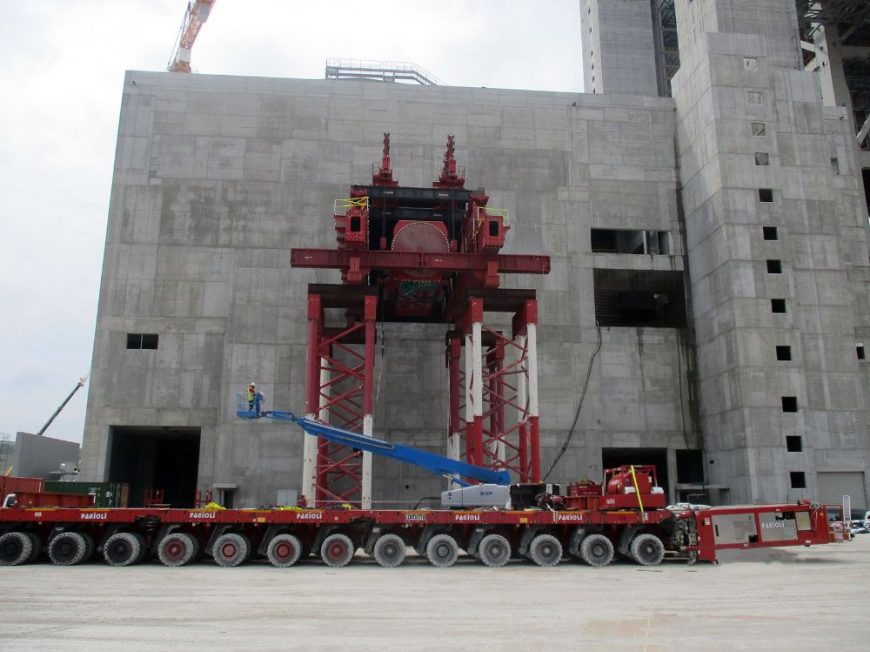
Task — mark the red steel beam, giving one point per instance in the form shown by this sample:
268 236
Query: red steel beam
409 260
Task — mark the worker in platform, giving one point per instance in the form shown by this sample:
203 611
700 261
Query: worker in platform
253 397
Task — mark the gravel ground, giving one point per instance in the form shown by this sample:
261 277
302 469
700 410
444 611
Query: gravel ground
793 598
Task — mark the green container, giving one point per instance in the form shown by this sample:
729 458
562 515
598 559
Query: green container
106 494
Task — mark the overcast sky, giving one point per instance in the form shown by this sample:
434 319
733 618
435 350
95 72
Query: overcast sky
61 70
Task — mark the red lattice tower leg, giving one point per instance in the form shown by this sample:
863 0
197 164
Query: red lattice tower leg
500 389
340 391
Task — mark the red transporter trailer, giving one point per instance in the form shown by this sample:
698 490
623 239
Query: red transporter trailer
590 524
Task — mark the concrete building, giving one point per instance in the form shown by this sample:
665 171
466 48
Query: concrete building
709 253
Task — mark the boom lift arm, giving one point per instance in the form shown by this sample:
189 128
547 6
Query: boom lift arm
457 471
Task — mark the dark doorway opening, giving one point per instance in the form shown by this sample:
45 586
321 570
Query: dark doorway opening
154 459
658 457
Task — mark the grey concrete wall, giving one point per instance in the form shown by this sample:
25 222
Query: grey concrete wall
36 456
618 47
728 83
217 178
775 21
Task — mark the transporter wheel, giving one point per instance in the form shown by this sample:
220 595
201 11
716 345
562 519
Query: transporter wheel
231 549
596 550
442 550
647 550
284 550
575 541
389 550
67 549
16 548
177 549
123 549
36 540
494 550
90 547
545 550
337 550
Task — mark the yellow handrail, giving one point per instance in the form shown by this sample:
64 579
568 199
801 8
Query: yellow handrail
636 489
343 203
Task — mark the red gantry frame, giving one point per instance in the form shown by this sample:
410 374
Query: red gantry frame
421 255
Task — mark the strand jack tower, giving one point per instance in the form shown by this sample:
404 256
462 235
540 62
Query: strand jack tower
427 255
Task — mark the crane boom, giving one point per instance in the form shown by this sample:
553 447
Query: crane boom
437 464
78 386
195 15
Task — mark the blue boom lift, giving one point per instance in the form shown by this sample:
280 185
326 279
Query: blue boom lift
458 472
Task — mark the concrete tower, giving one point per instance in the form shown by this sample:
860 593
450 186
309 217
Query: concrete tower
777 236
619 53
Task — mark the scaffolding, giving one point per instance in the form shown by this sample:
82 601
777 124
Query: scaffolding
667 44
854 15
384 71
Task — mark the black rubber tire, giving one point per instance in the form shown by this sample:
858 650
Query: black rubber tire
337 550
67 549
494 550
16 548
284 550
36 540
596 550
647 550
231 549
90 547
442 551
576 540
177 549
545 550
389 550
122 549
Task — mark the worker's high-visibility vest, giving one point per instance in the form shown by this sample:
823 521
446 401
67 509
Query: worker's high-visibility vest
250 395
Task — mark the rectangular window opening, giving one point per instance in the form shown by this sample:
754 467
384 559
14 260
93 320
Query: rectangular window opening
774 266
798 480
142 340
754 97
789 404
625 241
783 353
765 195
690 466
625 297
794 443
762 158
770 232
860 351
759 129
777 305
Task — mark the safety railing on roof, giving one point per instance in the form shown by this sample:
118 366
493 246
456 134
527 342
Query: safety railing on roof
387 71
